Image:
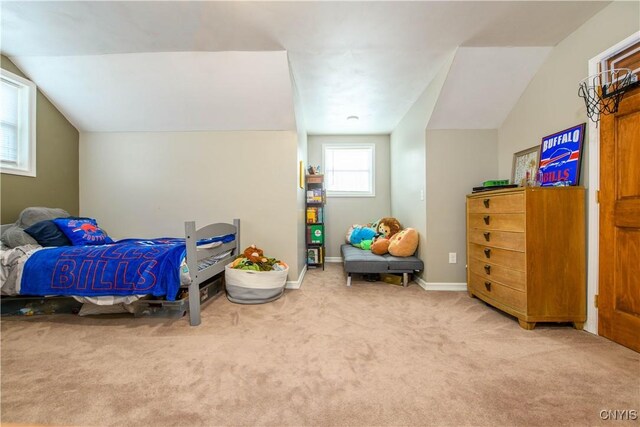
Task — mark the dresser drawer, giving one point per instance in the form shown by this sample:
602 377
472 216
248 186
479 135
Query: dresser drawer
511 278
497 221
502 203
498 239
498 292
513 259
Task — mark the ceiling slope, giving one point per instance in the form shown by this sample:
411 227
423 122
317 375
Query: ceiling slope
361 83
176 91
484 84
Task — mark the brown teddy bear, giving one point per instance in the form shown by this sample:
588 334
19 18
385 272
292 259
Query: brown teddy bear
254 254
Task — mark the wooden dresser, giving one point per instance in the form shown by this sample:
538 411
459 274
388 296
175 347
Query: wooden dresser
526 253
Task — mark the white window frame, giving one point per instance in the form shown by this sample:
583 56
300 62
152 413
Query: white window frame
26 129
372 177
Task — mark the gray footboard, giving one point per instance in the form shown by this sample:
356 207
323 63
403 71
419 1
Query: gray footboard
196 254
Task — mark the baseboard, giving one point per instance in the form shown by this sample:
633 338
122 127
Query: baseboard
296 284
333 259
433 286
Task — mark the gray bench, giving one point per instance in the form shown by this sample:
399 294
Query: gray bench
360 261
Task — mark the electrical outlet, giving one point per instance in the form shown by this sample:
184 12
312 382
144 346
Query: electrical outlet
421 194
453 258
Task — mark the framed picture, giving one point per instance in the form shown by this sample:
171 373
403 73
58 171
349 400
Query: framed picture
301 173
525 166
561 156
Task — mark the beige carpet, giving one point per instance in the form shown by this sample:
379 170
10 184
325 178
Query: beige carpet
373 354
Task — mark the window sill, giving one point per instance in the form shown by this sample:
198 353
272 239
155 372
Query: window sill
16 171
331 196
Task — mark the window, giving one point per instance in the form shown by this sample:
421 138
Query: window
349 170
17 125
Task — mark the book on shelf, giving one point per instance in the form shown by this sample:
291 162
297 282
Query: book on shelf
315 234
315 215
315 195
313 256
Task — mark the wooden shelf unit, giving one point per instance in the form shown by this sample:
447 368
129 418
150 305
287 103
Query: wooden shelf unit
315 229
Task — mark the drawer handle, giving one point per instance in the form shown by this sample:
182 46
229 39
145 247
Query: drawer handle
487 218
488 286
487 235
486 202
487 269
487 252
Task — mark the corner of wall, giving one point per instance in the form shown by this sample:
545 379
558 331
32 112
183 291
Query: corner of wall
302 156
408 165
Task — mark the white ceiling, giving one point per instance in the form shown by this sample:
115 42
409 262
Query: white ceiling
371 59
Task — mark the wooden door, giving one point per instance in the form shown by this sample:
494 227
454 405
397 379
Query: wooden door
619 282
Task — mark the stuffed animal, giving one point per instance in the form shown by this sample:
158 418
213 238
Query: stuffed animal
364 244
404 243
254 254
374 225
358 233
245 264
380 246
388 226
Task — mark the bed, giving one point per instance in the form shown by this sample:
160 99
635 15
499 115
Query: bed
166 269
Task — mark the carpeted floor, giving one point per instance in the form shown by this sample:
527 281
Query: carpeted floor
373 354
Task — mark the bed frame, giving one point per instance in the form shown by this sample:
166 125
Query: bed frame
206 280
196 254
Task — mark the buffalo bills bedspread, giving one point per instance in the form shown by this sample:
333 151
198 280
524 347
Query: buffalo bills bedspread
128 267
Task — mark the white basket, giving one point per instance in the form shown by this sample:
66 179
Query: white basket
254 287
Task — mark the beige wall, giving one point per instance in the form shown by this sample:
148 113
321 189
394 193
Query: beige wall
551 102
457 161
300 191
408 175
342 212
146 184
56 180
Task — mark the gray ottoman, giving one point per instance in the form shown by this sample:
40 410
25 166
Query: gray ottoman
361 261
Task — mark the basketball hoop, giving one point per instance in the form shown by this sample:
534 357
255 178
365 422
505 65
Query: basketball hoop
603 91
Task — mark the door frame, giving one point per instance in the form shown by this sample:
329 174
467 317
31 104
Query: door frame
593 234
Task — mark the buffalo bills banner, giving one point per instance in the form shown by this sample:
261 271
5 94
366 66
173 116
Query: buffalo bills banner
560 157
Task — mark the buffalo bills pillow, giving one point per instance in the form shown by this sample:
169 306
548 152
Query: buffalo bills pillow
47 234
83 231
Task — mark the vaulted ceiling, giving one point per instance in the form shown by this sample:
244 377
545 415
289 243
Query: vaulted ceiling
230 65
